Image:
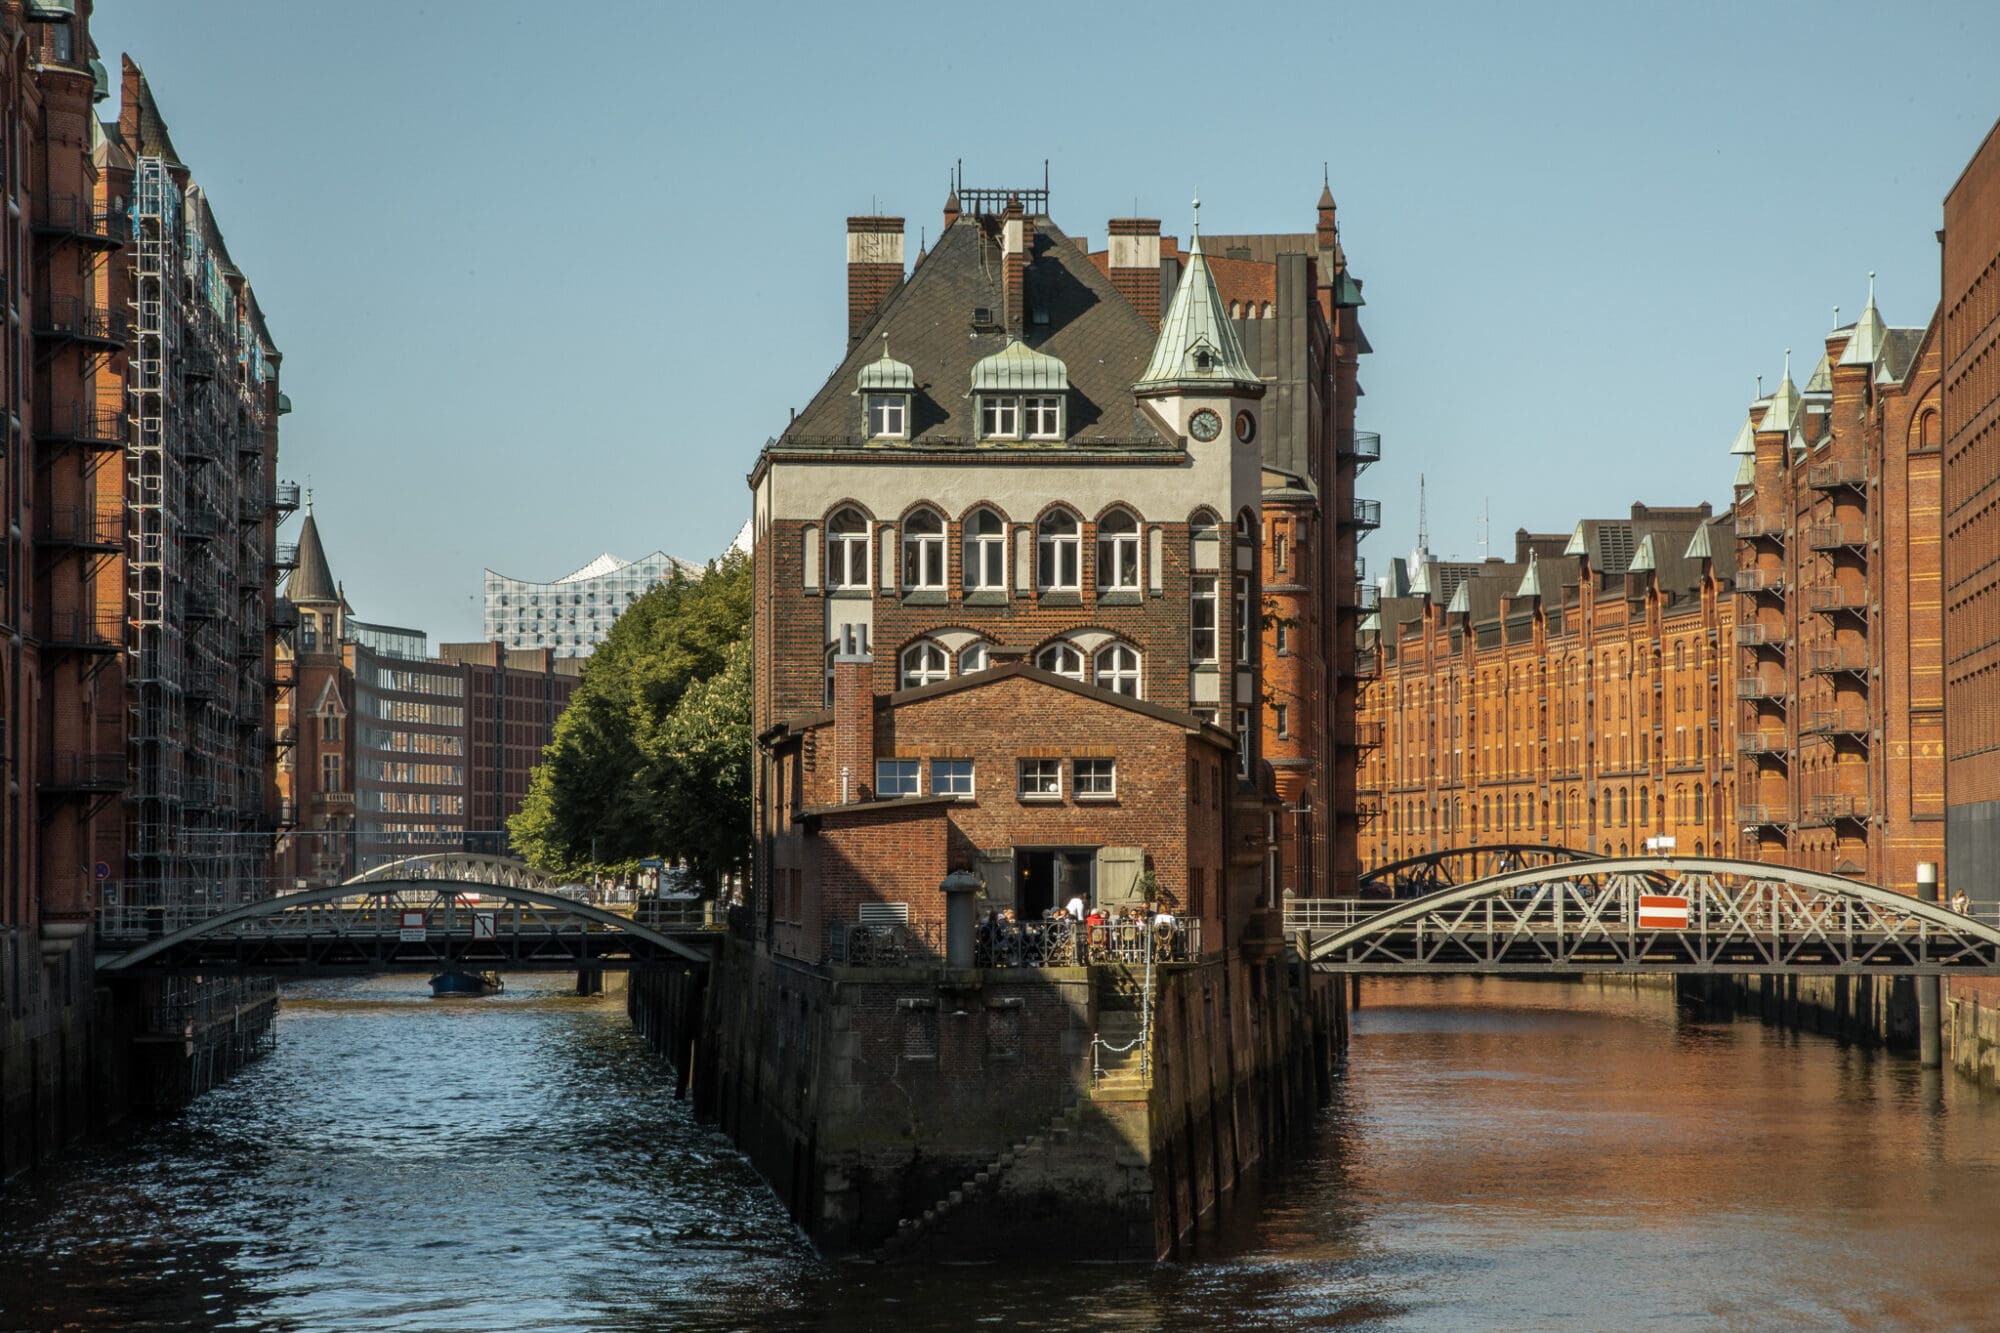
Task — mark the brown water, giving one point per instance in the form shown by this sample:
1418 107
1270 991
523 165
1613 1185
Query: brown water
1502 1155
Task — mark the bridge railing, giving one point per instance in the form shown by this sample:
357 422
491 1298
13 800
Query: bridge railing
1015 943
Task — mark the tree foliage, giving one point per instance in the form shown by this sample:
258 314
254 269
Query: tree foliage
652 756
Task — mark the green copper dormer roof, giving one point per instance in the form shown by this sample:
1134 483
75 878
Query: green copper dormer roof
1347 290
1746 471
1784 409
1197 350
1420 583
1461 599
1578 543
887 375
1531 582
1865 347
1746 440
1698 546
1643 559
1019 368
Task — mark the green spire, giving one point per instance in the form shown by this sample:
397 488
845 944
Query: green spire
1197 350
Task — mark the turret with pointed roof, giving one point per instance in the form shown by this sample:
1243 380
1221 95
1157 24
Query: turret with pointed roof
312 582
1198 350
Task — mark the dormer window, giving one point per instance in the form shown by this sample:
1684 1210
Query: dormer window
888 416
999 417
1044 413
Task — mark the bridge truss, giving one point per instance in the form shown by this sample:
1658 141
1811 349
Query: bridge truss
1427 872
423 914
1588 916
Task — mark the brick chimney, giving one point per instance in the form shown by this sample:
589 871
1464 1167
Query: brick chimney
874 268
1017 235
854 714
1135 263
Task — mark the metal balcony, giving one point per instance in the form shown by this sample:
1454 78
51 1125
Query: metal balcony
1759 581
1837 536
1752 816
79 773
1833 598
285 555
81 217
70 319
1831 807
1363 446
82 631
1760 742
1760 689
285 497
197 606
1760 636
1359 735
1751 527
1835 476
200 525
1848 657
84 425
1836 722
1365 514
1367 596
83 529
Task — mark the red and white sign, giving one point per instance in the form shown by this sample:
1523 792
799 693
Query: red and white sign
1664 912
413 928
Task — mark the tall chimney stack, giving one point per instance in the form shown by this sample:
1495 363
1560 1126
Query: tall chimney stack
874 268
1016 236
1135 263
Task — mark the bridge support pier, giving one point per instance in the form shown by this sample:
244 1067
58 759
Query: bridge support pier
590 981
1930 1043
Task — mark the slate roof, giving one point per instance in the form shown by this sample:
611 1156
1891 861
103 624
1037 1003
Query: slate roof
1095 332
312 581
1899 349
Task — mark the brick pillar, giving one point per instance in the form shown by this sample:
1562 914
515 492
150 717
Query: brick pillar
854 714
1016 235
1135 263
874 268
950 208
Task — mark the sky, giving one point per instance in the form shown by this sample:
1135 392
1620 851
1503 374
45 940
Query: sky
546 277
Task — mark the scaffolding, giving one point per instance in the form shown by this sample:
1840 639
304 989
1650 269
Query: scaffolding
199 509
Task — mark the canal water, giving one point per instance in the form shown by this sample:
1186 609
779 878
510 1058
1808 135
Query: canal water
1502 1154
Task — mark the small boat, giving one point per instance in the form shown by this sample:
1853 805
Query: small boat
465 983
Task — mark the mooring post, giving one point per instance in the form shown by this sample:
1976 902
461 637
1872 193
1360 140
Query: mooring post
1930 1046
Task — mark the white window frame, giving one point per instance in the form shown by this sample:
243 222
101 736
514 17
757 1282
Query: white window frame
1058 555
900 773
1244 645
1048 659
948 786
1042 768
843 548
888 416
1243 739
1281 719
974 657
1091 792
1202 593
1042 416
999 416
1119 665
923 552
1118 568
924 662
985 551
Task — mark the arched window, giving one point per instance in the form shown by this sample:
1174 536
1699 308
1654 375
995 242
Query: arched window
1645 808
1624 806
1056 549
1063 659
972 658
1118 669
985 551
1700 803
1118 552
923 551
847 550
924 663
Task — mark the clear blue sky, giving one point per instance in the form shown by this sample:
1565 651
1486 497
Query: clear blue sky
546 276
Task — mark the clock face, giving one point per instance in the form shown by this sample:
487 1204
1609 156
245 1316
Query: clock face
1246 427
1204 425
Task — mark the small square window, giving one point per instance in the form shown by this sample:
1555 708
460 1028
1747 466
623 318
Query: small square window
888 416
1281 714
1041 779
1000 418
896 777
951 777
1044 418
1096 778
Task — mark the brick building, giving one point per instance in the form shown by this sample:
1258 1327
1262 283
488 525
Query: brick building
1578 695
1970 431
388 751
1054 583
1840 740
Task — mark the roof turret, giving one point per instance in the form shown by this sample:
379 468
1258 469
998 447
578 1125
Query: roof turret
1420 583
312 582
886 375
1865 347
1698 548
1643 559
1197 350
1784 409
1461 599
1531 582
1019 368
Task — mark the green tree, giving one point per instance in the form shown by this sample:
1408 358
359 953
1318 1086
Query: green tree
596 798
697 775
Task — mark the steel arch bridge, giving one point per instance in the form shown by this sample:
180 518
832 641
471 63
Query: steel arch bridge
1625 914
1427 872
423 913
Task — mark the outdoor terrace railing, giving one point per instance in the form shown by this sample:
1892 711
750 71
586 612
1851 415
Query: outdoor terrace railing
1848 657
1063 943
1831 476
1363 446
1365 513
1837 536
1751 526
1832 597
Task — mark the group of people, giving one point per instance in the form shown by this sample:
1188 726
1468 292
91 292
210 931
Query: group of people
1085 932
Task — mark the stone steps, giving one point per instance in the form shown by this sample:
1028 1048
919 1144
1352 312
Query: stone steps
910 1231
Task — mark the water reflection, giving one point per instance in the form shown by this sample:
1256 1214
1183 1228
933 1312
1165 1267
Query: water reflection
1529 1156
